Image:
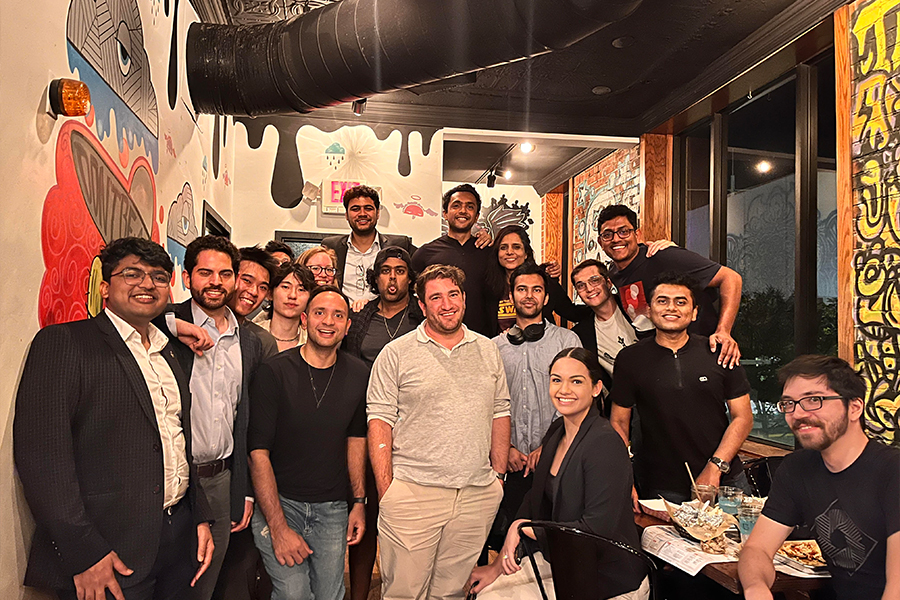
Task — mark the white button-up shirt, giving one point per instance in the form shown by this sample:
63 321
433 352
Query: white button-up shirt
355 286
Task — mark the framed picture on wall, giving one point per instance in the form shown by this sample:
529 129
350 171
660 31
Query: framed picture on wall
213 223
300 240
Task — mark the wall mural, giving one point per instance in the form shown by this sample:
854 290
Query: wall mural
181 230
875 60
499 213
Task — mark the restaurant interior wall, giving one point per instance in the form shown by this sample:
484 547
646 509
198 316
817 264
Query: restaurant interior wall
140 163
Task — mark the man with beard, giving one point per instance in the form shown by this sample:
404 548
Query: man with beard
842 484
438 410
220 383
461 207
356 252
527 350
307 451
682 405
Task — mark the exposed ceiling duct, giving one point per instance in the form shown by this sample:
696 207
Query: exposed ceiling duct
358 48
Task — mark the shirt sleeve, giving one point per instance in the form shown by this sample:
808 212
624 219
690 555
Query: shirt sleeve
264 394
501 390
891 493
736 382
382 397
781 505
624 391
679 259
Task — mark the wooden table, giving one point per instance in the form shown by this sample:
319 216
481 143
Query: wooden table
726 574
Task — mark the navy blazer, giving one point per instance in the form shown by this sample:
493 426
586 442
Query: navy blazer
88 453
338 243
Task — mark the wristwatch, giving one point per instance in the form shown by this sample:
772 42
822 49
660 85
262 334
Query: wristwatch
359 500
721 464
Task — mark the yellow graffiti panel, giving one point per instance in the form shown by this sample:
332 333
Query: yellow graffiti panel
870 20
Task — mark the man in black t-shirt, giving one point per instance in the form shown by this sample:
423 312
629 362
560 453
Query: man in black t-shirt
681 392
307 434
843 485
632 273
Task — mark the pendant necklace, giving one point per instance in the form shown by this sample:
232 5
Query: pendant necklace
313 383
399 325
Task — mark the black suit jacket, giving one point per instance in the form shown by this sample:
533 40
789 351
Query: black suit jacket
88 453
338 243
251 356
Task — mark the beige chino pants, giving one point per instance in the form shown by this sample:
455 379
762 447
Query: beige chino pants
431 537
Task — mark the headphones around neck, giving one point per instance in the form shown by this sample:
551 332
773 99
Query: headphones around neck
532 333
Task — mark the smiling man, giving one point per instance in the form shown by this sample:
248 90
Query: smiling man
356 252
842 484
307 450
251 289
438 410
682 406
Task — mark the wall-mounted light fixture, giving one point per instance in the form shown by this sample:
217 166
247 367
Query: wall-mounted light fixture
359 107
69 98
491 179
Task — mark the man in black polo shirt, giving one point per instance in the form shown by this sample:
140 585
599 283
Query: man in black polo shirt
681 393
307 433
631 272
461 206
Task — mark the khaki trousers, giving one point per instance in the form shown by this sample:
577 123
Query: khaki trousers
431 537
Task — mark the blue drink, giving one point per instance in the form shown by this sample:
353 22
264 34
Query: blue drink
747 516
729 505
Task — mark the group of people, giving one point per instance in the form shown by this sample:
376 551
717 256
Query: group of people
417 400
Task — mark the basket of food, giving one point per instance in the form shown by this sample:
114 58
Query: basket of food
804 555
702 522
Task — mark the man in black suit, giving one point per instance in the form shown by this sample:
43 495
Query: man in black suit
220 384
102 441
356 252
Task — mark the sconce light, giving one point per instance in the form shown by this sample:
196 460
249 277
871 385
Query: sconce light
69 97
359 107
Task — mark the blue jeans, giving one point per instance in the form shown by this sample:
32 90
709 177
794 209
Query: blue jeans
323 526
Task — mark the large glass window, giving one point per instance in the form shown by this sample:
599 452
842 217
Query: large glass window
696 219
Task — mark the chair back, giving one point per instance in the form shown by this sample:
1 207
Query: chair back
760 472
584 564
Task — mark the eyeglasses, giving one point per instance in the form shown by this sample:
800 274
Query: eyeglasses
592 282
808 404
133 277
623 234
317 270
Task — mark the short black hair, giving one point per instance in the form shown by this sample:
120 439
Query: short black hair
148 251
276 246
360 191
616 210
675 278
381 258
837 372
327 288
529 267
257 255
216 243
590 262
303 274
463 187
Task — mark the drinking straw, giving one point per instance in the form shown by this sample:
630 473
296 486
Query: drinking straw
691 475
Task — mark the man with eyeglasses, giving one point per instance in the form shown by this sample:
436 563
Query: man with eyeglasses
842 484
102 441
632 272
356 252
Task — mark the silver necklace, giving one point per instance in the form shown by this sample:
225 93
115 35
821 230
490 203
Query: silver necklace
399 325
313 383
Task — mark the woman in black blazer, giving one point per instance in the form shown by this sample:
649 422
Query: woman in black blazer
583 478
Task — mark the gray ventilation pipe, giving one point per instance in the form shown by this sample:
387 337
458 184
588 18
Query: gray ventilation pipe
358 48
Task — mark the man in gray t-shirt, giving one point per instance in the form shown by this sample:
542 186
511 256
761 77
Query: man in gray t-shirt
438 412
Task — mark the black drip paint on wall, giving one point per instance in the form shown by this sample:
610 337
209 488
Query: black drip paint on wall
287 177
215 147
173 58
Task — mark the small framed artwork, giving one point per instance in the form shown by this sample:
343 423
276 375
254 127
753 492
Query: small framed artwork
300 241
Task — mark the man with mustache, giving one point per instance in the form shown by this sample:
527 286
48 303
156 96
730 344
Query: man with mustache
220 383
681 392
356 252
842 484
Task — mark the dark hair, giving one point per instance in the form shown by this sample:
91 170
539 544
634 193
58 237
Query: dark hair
323 289
585 357
837 372
432 272
590 262
675 278
381 258
360 191
616 210
215 243
276 246
497 279
303 274
529 267
148 251
464 187
257 255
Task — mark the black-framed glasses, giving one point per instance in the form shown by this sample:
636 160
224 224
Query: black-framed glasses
809 403
132 276
317 270
624 233
592 282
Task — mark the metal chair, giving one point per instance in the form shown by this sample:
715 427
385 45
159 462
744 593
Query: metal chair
578 560
760 472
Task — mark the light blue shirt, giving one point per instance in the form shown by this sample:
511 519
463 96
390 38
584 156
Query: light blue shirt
527 369
215 389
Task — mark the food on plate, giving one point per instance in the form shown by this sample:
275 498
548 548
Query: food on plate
700 520
805 552
716 545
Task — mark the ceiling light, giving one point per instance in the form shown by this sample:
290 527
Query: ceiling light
359 107
507 174
623 42
763 166
526 147
600 90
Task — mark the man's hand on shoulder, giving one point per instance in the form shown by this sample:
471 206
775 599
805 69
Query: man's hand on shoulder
193 336
731 352
94 582
483 238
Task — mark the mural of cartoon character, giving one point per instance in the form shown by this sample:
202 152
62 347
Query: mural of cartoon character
181 230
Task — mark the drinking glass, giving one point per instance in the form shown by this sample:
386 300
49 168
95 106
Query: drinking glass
704 493
747 516
730 499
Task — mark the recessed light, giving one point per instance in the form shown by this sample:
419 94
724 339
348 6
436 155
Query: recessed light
600 90
526 147
763 166
623 42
